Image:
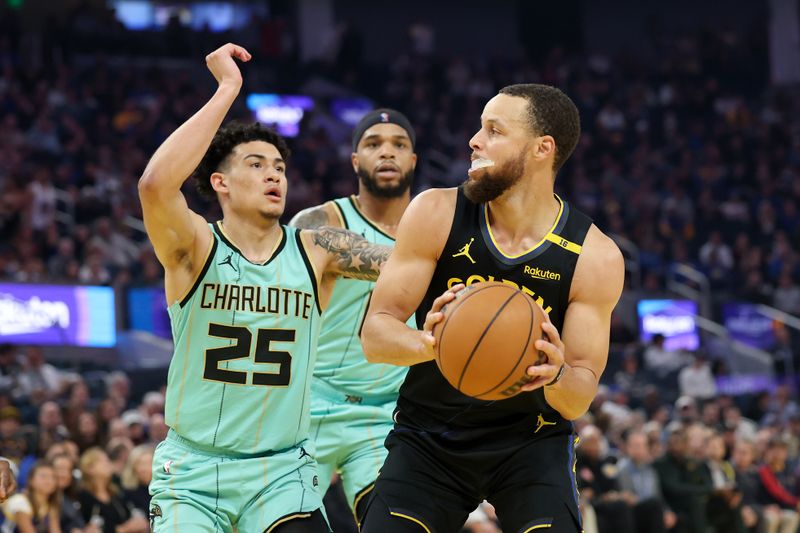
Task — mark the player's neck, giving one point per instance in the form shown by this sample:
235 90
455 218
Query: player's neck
386 212
527 210
255 240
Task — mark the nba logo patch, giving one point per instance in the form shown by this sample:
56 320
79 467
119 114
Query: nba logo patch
384 117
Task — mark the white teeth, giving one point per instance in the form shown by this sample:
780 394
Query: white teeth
481 163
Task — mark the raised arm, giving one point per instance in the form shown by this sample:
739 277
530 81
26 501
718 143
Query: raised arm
180 237
582 344
404 280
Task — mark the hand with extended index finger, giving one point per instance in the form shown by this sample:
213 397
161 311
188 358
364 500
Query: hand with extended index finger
553 348
222 65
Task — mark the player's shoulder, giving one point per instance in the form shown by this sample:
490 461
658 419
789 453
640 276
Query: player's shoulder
601 267
434 202
316 217
600 248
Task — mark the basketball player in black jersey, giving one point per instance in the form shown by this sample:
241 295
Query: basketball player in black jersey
448 451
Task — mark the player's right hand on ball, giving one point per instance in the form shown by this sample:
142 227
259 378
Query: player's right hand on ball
435 315
221 64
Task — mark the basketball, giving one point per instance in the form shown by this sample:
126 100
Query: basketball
485 342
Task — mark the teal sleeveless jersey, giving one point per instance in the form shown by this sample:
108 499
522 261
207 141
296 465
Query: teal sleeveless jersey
341 362
245 343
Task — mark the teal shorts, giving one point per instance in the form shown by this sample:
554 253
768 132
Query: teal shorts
349 432
195 489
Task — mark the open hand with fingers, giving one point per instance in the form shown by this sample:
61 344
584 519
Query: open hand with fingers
222 65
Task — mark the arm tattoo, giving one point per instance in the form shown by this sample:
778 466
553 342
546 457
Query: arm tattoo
355 257
312 218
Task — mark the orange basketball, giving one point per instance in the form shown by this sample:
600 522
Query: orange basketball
485 341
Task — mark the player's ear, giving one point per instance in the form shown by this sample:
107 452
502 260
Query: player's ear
414 160
219 182
354 161
545 147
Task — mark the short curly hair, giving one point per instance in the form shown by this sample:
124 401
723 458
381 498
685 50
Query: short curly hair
225 141
550 112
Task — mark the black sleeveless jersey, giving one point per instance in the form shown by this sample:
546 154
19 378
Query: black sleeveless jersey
427 401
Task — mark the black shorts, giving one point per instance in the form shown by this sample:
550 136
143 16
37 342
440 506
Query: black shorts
436 488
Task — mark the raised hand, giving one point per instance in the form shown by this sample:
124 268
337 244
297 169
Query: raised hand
222 65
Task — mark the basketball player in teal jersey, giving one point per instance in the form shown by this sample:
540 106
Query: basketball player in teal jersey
449 451
245 300
353 400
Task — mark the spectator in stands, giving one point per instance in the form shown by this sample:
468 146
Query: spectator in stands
15 443
57 264
50 429
725 510
787 294
696 380
716 258
157 428
107 411
87 434
744 428
64 468
135 422
749 485
38 508
118 450
101 501
631 380
9 369
782 407
778 486
659 361
685 410
136 477
78 402
118 389
39 380
638 477
685 488
597 480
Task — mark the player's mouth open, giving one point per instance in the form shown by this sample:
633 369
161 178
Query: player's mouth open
274 194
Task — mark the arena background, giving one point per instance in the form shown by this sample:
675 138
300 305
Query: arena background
689 159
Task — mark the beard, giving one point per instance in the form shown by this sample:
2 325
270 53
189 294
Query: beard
385 191
489 183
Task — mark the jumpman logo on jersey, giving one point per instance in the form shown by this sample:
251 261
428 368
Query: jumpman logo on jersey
541 422
464 250
229 261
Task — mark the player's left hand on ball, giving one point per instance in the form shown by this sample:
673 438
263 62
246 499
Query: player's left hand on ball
552 346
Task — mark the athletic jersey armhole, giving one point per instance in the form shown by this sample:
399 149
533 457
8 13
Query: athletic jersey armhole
210 257
309 267
340 214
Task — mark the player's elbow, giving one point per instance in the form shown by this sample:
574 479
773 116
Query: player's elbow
367 344
148 185
574 413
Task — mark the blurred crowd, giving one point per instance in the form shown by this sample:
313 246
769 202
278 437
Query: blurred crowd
82 447
689 138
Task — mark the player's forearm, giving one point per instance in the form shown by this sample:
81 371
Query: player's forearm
574 392
385 339
179 155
